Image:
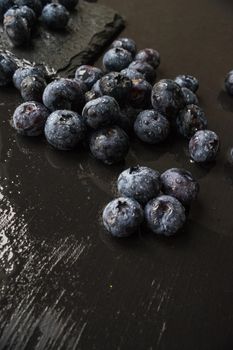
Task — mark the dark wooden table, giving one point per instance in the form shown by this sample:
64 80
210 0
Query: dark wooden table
64 283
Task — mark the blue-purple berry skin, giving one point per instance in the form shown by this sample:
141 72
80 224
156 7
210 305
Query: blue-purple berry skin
7 68
151 127
190 98
17 29
35 5
187 81
122 217
109 145
167 98
116 85
229 83
64 94
29 118
64 129
23 72
32 88
140 94
55 16
116 59
165 215
204 146
101 112
94 93
140 183
149 56
127 44
69 4
4 6
180 184
132 74
230 156
189 120
126 118
88 75
145 69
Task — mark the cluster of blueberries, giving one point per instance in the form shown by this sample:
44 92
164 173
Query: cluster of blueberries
19 17
161 201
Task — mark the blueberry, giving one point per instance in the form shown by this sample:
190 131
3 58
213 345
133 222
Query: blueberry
101 112
229 82
127 44
69 4
23 72
35 5
140 94
187 81
122 217
55 16
140 183
132 74
7 68
89 75
189 120
145 69
167 98
64 129
165 215
29 118
17 29
110 145
4 6
64 94
151 127
28 14
204 146
190 98
32 88
116 85
116 59
230 156
149 56
180 184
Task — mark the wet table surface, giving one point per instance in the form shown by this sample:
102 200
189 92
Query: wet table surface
64 283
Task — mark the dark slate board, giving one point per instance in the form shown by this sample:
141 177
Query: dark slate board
91 28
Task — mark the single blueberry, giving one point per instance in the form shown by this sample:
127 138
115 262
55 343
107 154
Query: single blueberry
35 5
17 29
127 44
23 72
116 85
180 184
132 74
140 183
29 118
165 215
64 94
122 217
189 120
7 68
204 146
187 81
116 59
145 69
149 56
103 111
64 129
32 88
110 145
140 94
190 98
55 16
28 14
4 6
167 98
229 82
88 74
151 127
69 4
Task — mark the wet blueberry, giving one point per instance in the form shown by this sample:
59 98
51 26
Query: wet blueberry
190 98
29 118
140 94
189 120
167 98
122 217
64 129
21 73
145 69
4 6
110 145
32 88
204 146
116 59
88 74
35 5
127 44
55 16
69 4
28 14
149 56
132 74
64 94
17 29
7 69
103 111
140 183
180 184
229 82
116 85
151 127
165 215
187 81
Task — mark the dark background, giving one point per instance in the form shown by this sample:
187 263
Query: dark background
64 283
